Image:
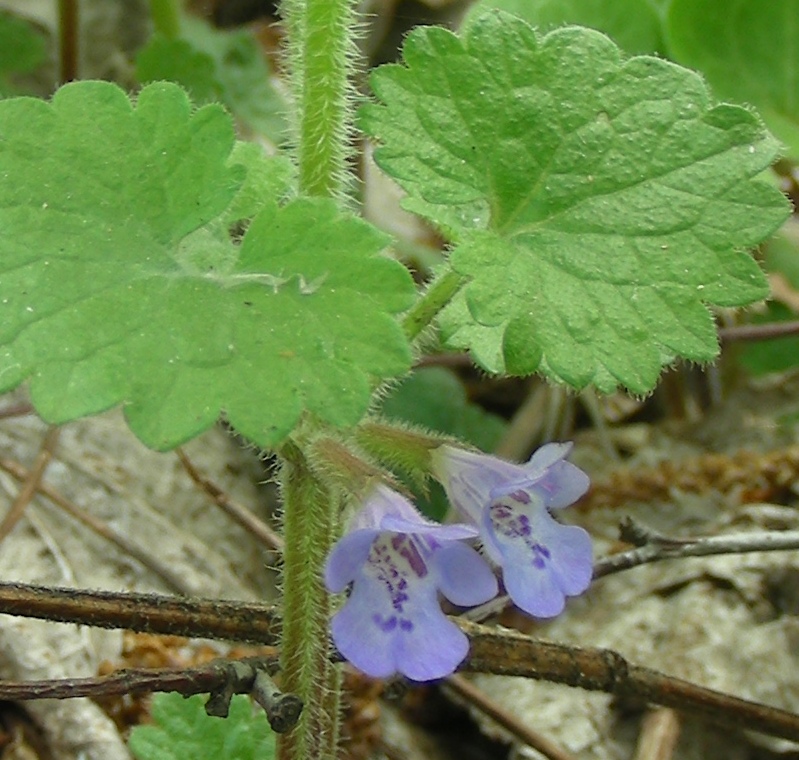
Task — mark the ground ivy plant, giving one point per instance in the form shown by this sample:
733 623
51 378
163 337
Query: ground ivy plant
597 206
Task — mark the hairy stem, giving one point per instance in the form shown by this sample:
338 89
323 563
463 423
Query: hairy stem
311 512
320 34
441 291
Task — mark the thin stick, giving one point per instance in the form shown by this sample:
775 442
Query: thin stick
660 548
18 409
768 331
187 681
468 691
68 40
176 582
31 483
259 529
660 730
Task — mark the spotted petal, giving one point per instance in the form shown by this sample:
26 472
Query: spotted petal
397 562
422 644
542 561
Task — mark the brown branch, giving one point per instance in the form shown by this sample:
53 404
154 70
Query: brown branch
148 613
493 650
150 561
31 483
204 679
509 653
16 409
767 331
221 679
68 32
258 528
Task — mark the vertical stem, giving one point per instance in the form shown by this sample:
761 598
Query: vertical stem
320 34
310 522
67 40
320 47
166 17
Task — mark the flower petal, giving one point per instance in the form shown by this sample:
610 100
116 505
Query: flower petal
542 560
558 481
387 510
392 621
547 455
464 577
346 559
454 532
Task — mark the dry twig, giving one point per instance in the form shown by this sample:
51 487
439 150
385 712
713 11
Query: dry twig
493 650
477 697
173 580
31 483
258 528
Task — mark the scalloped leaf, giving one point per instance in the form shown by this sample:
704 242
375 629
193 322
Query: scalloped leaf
633 24
598 203
215 65
183 730
119 281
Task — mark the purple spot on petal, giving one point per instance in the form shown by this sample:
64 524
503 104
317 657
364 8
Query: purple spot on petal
387 625
516 526
521 496
396 561
406 547
406 625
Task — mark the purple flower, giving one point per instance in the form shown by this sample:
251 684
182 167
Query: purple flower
542 561
397 563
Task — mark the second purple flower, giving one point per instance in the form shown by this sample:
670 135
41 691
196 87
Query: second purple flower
542 561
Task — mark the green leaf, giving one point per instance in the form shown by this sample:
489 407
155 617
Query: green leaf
748 51
22 49
435 399
780 255
222 66
120 284
176 60
183 730
598 203
777 354
633 24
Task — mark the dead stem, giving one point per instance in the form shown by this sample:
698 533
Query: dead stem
31 483
660 730
658 548
520 730
174 581
259 529
493 650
